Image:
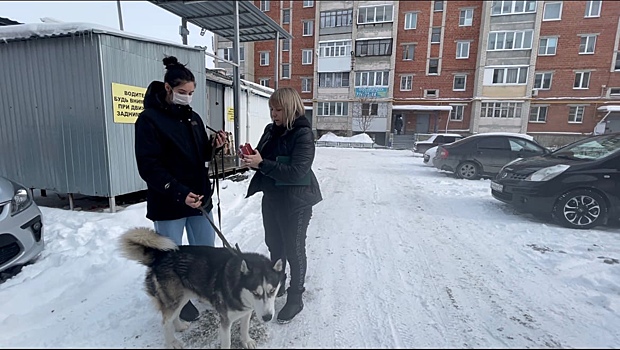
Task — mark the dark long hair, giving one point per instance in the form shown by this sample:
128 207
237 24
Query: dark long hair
176 73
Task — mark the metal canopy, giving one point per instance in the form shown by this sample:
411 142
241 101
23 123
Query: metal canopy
218 17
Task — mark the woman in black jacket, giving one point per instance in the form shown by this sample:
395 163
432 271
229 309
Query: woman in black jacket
172 152
283 160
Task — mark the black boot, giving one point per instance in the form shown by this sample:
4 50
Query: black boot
282 289
294 305
189 312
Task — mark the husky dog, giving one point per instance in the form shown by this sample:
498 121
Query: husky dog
234 284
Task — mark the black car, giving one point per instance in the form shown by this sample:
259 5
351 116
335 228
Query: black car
485 154
578 184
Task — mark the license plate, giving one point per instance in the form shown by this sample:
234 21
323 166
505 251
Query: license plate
497 187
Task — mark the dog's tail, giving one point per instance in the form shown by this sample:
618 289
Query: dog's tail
142 243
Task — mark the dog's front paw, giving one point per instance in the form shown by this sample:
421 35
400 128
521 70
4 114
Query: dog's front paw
175 344
248 344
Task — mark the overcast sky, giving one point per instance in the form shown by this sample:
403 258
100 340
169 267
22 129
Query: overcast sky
139 17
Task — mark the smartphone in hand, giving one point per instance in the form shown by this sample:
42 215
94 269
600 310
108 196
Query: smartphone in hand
247 149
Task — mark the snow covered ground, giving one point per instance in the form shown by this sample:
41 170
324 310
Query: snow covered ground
400 256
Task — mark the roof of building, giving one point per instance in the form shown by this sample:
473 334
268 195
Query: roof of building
218 17
48 30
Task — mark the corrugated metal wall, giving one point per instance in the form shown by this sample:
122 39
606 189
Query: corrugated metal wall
132 62
57 129
51 115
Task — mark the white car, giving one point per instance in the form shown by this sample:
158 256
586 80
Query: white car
429 155
435 140
21 225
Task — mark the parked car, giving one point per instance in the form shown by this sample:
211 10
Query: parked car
485 154
429 155
578 185
21 225
435 140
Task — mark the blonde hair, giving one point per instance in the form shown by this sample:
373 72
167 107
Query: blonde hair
289 100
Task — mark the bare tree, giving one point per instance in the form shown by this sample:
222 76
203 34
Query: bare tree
365 110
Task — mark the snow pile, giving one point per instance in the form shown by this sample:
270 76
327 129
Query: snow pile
359 138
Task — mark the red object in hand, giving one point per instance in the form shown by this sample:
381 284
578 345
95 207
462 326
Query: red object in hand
247 149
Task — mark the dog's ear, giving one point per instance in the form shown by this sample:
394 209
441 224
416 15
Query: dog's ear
244 268
278 265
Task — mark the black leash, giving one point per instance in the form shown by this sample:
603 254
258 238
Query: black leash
216 187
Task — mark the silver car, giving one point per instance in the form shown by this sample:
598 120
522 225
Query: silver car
21 225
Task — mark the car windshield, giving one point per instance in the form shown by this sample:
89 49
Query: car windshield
590 148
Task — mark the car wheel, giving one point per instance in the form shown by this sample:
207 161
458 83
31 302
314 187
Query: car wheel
468 170
580 209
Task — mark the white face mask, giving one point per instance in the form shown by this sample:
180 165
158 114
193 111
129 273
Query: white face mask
181 99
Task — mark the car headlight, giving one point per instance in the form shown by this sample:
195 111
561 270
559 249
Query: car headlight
20 201
547 173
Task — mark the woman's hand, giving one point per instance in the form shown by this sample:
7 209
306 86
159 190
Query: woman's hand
193 200
220 139
252 160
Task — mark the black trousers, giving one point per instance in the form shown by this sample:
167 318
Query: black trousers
285 236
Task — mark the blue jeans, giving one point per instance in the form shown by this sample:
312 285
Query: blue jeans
199 230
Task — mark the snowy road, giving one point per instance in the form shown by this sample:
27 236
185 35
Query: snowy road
400 255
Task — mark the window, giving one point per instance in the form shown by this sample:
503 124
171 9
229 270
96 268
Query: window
381 47
542 81
308 28
538 114
308 3
408 52
457 113
372 78
286 16
617 65
575 114
334 80
521 145
501 110
547 46
264 6
520 40
286 45
462 49
264 58
436 35
466 18
406 82
336 109
306 84
437 6
241 54
335 48
506 76
552 11
493 143
587 44
411 20
286 71
264 82
306 56
582 80
370 109
614 92
459 83
433 66
226 53
512 7
333 19
593 8
431 93
375 14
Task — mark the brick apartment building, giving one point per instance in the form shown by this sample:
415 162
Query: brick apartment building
548 68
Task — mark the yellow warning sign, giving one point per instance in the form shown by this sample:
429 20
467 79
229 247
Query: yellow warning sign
127 102
230 113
